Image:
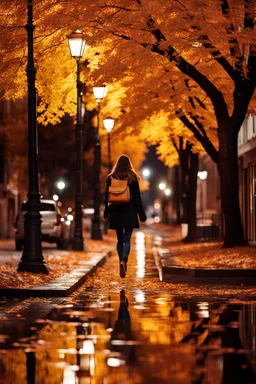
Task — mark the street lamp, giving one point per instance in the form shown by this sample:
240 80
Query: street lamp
61 185
109 125
146 172
99 93
32 259
76 43
167 192
162 186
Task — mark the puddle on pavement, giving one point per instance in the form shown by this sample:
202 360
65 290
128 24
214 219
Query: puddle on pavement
134 338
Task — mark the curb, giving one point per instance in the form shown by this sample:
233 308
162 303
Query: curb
59 287
175 274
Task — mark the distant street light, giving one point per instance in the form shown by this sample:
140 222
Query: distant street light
109 125
77 43
146 172
32 259
167 192
99 93
162 186
61 185
55 197
202 175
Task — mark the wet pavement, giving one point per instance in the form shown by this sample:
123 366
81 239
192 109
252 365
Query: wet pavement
133 330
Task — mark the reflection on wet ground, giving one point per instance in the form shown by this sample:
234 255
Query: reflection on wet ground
114 332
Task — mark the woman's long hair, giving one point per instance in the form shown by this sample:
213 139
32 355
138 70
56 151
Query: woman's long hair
123 169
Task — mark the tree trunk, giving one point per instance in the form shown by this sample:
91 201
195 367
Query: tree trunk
189 168
229 187
184 160
177 195
191 197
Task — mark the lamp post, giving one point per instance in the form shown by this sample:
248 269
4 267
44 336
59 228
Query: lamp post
32 259
109 125
77 45
99 93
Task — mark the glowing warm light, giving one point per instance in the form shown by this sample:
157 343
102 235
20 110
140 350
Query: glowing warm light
55 197
68 222
204 314
162 186
139 296
157 219
114 362
62 219
140 254
76 43
146 172
69 377
61 185
108 124
69 374
167 192
157 205
203 309
89 211
70 217
99 93
70 209
88 347
202 175
140 235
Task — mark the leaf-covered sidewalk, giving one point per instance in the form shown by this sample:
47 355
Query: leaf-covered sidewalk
205 255
59 263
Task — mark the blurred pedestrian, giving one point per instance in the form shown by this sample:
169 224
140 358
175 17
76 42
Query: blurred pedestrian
123 205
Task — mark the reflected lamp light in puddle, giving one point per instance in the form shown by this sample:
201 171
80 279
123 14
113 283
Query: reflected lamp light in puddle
203 309
114 362
87 358
139 296
140 254
88 347
69 374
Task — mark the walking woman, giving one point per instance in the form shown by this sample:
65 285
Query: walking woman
123 217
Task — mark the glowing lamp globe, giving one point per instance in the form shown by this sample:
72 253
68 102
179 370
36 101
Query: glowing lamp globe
76 43
99 92
108 124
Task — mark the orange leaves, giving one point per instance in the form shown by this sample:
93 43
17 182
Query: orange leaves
59 263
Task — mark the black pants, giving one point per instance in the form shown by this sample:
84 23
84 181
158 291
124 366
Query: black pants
123 243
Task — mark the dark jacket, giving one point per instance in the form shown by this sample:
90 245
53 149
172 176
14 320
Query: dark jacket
125 215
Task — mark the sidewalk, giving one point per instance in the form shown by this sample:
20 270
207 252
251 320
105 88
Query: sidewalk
204 262
67 269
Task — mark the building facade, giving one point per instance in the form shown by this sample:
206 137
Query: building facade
11 168
247 175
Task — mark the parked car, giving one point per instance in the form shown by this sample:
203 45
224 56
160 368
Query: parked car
51 227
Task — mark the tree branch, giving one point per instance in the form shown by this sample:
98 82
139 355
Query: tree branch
217 55
207 145
233 43
184 66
